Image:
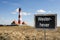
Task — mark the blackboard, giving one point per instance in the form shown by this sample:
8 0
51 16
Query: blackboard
48 21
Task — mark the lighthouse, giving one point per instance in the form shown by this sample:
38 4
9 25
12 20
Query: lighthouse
19 17
20 21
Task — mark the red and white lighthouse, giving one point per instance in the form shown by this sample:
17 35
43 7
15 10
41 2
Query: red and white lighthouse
19 17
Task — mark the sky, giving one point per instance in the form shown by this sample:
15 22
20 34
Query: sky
8 10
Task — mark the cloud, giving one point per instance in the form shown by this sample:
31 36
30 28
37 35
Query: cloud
58 24
11 3
41 11
14 12
17 9
4 21
5 2
22 13
25 13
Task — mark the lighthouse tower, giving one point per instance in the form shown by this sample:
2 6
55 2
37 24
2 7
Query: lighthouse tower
19 17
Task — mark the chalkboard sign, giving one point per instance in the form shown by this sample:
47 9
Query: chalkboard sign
48 21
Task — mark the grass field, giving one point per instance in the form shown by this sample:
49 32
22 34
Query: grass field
27 33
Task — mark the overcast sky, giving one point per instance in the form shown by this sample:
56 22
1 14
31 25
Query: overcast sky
8 10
